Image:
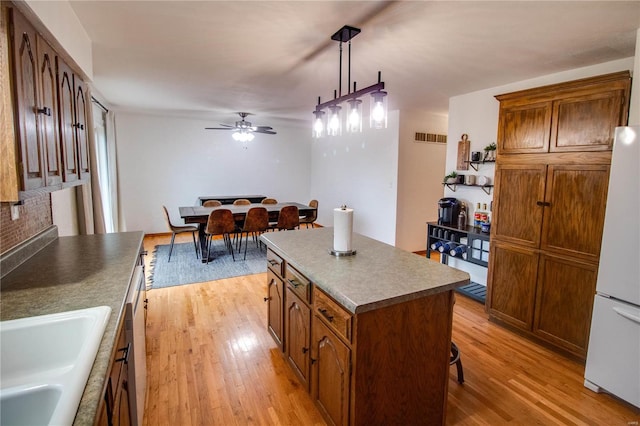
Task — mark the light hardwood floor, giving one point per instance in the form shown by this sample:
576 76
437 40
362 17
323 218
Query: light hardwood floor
211 361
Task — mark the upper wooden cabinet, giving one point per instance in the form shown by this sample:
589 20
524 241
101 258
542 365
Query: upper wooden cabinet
67 122
570 117
49 111
31 164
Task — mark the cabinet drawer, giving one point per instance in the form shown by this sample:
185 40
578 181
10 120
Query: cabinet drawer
274 262
337 317
298 283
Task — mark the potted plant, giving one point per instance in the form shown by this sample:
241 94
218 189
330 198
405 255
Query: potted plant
490 152
451 177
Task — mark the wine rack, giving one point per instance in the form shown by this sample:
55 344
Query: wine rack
468 243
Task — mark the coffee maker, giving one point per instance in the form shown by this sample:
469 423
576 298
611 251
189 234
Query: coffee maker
448 210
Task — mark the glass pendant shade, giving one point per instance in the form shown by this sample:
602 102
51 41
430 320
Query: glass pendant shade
318 124
378 113
354 116
334 127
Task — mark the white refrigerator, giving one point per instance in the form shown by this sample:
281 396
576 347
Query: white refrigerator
613 357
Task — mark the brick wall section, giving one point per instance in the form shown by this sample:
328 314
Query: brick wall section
35 216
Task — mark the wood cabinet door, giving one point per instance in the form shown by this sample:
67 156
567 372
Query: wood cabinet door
564 302
512 284
275 302
587 122
81 104
331 374
25 68
67 121
517 215
298 336
48 111
574 217
524 128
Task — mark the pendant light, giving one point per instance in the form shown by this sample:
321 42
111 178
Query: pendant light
352 101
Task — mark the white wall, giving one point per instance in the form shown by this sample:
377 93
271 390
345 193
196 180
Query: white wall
476 114
360 171
420 172
170 161
634 108
64 211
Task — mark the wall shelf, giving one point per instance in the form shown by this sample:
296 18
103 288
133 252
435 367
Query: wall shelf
453 187
475 165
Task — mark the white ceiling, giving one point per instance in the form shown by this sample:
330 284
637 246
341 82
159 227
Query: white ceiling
274 58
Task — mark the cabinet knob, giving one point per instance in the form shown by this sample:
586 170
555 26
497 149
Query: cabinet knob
326 315
543 203
79 126
294 283
305 350
44 110
266 299
126 351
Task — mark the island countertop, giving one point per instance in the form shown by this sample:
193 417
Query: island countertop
72 273
378 275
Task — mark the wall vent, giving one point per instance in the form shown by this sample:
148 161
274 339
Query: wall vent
430 138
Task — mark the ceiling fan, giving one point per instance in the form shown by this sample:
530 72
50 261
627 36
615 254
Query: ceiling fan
244 130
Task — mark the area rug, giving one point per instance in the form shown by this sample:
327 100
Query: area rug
185 268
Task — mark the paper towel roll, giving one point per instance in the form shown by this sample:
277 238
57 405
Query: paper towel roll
342 229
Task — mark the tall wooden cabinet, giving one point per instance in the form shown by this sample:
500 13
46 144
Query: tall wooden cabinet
551 180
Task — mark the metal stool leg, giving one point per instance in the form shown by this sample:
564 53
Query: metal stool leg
455 359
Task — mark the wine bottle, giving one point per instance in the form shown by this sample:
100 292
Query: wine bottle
458 251
436 245
446 247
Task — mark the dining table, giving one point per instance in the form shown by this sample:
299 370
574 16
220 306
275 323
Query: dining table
229 199
200 215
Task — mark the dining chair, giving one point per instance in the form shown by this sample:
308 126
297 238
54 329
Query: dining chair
241 202
220 222
269 201
177 229
288 218
212 203
255 223
310 218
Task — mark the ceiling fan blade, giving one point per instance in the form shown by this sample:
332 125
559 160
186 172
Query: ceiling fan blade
258 128
219 128
266 132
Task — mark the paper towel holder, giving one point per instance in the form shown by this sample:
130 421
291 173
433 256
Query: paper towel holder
338 253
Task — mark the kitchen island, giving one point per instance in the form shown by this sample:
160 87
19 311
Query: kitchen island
69 273
368 335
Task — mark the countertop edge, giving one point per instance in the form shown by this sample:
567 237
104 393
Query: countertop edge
349 304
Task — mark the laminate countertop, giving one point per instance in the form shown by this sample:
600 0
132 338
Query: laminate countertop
377 275
72 273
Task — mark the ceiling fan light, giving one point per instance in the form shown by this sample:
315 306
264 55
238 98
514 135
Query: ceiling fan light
354 118
378 113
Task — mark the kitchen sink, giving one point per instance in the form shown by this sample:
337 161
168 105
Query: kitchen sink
45 362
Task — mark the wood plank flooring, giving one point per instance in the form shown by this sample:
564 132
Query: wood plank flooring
211 361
